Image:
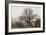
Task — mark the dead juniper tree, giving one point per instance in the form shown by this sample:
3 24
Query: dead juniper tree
28 16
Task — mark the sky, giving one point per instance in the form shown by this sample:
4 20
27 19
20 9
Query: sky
18 10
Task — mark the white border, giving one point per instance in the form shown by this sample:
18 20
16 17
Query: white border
25 29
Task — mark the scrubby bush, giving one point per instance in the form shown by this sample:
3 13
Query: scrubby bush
37 23
19 25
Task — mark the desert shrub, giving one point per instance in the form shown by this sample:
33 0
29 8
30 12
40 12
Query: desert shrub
19 25
37 23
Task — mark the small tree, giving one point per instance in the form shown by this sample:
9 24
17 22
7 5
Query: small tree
27 15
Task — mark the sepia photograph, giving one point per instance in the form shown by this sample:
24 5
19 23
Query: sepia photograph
25 17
